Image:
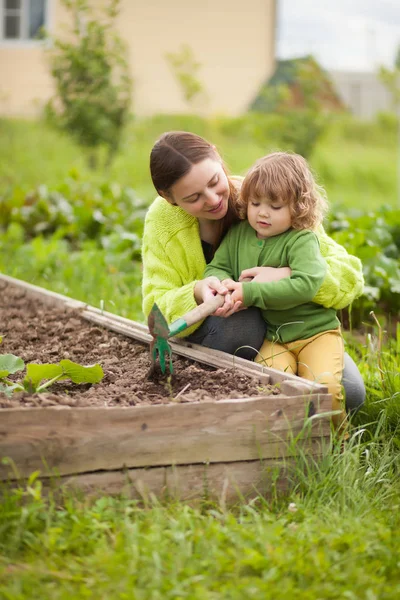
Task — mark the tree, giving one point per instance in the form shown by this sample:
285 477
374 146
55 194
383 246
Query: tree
302 97
185 69
93 85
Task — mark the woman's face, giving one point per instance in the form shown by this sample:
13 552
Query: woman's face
204 191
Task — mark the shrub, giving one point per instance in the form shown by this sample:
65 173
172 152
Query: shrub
76 211
375 238
93 85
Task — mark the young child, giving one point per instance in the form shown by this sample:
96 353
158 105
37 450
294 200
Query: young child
284 206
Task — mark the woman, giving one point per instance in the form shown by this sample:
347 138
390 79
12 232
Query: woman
197 204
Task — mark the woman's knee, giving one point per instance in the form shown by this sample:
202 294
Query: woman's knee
247 327
241 334
353 385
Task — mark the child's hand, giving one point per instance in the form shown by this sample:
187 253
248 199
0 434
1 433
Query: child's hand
207 288
231 304
229 307
235 288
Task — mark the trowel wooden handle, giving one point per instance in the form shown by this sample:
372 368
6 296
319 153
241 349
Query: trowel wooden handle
203 310
197 314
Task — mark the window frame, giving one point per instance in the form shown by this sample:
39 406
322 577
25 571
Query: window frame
24 41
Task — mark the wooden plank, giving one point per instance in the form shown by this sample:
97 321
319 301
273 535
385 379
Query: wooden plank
180 347
46 296
224 483
92 439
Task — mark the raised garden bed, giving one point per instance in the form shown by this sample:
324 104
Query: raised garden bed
221 426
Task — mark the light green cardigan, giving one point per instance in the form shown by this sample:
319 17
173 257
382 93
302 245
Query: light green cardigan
173 261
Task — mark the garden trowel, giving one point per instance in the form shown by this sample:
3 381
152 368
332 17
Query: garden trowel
160 331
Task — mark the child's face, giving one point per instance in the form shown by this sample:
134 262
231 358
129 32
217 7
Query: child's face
268 218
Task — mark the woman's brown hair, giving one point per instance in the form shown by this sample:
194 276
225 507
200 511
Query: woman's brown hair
172 157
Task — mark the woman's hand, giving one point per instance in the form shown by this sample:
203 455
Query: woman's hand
265 274
206 288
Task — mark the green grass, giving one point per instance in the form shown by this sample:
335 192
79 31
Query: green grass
335 536
356 171
32 154
106 280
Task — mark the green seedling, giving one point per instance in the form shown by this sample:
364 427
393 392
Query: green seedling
39 377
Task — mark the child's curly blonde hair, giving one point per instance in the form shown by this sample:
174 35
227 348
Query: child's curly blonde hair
284 176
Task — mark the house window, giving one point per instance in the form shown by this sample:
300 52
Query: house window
22 19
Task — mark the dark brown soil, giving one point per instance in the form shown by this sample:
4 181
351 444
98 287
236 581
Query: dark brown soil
42 334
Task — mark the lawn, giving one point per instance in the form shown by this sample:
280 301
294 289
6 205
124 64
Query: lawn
356 169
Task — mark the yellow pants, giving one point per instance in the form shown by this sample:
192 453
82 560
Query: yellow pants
319 359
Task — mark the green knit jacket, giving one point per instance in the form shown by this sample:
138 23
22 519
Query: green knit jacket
173 262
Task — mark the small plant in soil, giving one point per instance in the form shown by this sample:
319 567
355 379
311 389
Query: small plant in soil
39 377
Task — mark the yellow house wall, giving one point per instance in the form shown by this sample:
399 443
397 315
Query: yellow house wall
233 40
25 83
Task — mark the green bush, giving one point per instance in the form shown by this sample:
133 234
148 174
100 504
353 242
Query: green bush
106 276
77 211
92 79
302 129
375 238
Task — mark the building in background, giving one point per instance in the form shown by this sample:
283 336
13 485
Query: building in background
363 93
234 42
